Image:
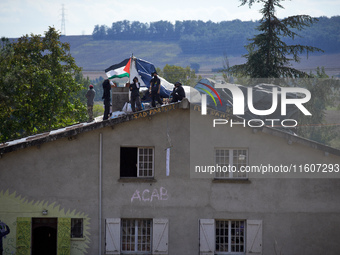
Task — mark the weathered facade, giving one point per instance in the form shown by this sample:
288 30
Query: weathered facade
112 187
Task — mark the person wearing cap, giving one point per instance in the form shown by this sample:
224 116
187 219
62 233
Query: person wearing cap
178 93
155 88
135 97
90 94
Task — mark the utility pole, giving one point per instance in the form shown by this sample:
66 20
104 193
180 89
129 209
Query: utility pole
63 29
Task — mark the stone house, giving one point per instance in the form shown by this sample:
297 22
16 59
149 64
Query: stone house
154 182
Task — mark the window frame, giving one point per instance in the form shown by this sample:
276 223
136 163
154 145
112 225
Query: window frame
148 162
231 175
230 236
136 236
81 228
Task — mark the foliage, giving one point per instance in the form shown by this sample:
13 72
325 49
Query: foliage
85 82
37 86
174 74
325 93
268 55
98 110
199 37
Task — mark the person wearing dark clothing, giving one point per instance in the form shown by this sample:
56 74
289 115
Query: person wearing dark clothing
90 94
107 98
4 230
178 93
135 97
155 88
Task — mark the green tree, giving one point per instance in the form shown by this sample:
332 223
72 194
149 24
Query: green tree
37 86
172 74
325 95
268 55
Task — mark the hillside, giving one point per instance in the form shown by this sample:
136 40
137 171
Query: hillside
96 55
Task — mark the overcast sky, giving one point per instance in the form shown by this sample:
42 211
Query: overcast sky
21 17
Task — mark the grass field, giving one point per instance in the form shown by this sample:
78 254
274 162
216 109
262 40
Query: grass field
95 56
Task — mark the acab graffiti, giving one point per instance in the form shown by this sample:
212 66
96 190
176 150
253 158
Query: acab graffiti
149 196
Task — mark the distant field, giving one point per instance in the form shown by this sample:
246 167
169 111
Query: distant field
95 56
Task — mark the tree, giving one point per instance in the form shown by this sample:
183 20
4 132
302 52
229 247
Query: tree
37 86
173 74
325 95
268 55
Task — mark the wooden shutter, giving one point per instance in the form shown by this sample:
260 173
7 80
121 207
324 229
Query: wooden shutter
64 236
160 230
112 236
207 236
254 237
23 244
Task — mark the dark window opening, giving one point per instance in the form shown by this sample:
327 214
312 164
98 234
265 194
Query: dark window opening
136 162
128 162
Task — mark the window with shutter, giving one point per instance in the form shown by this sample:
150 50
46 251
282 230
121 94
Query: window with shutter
230 237
137 236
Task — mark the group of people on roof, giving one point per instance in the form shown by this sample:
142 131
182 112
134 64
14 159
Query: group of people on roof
177 94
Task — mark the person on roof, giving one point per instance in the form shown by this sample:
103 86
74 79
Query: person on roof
107 98
135 97
155 88
178 93
90 94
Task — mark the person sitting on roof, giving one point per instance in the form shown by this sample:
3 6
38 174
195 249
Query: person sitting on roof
135 97
178 93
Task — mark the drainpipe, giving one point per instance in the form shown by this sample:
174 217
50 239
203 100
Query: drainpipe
100 191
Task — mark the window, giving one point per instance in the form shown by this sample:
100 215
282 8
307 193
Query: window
232 160
76 228
230 236
136 235
136 162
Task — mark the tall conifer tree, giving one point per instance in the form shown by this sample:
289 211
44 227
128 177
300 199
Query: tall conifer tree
268 55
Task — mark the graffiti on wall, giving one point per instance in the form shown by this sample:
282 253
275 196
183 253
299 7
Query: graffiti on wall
147 195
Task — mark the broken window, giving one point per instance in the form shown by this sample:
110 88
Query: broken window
136 161
231 162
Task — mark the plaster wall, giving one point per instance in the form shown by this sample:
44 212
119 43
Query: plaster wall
300 215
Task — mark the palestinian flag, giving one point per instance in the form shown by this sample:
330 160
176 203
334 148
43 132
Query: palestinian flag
119 70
